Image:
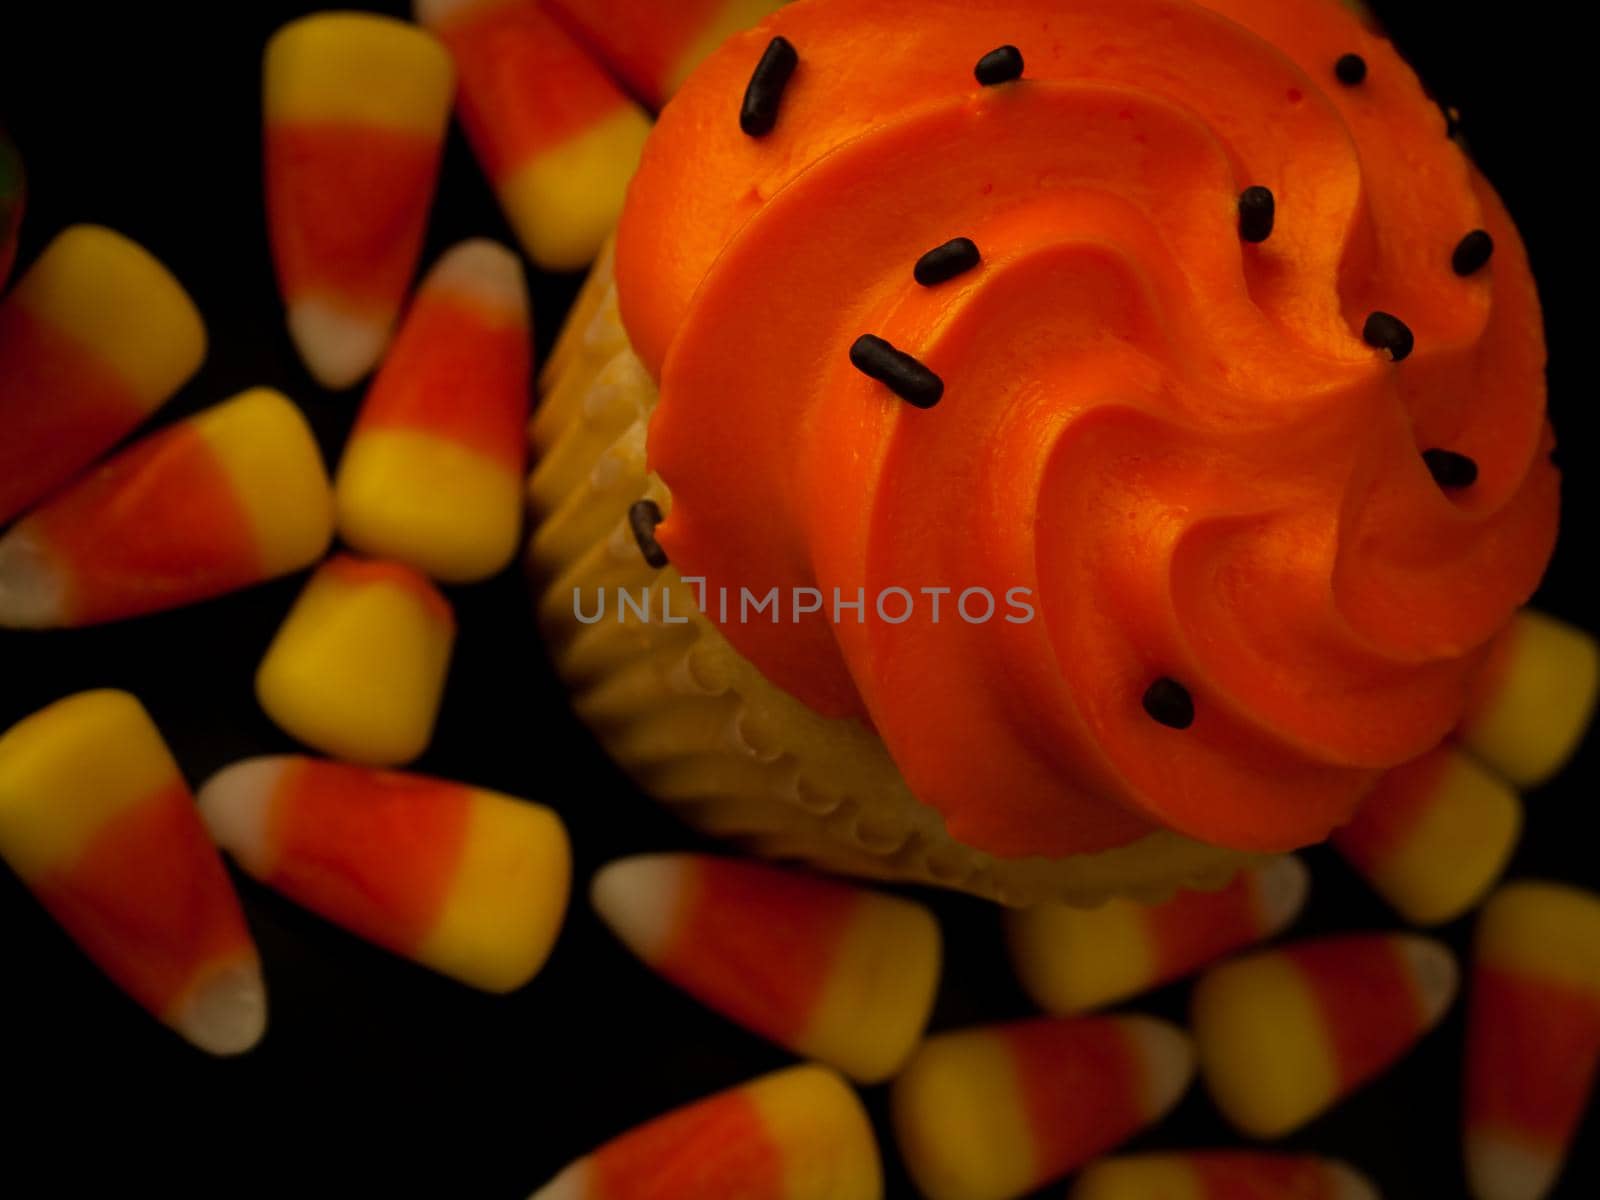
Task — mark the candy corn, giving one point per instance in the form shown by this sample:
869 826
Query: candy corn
655 47
1533 1039
557 138
1285 1033
833 972
433 472
94 338
356 108
226 499
1070 960
798 1134
1219 1175
991 1113
1534 699
1434 835
12 193
97 821
358 668
471 883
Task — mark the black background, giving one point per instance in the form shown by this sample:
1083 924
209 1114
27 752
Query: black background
377 1077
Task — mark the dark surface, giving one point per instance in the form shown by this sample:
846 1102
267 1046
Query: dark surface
377 1077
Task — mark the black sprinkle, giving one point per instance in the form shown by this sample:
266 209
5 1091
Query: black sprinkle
1473 252
1351 70
955 257
1257 211
1386 332
643 518
1449 469
897 370
1169 703
999 66
762 98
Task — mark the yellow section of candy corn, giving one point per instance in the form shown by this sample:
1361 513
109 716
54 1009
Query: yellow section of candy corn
433 503
1531 723
358 68
1545 930
54 797
1152 1177
112 296
1457 851
1071 959
566 201
1263 1046
960 1119
263 442
829 1151
880 990
358 668
736 16
512 886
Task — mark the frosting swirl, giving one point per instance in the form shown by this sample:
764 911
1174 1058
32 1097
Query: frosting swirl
1176 438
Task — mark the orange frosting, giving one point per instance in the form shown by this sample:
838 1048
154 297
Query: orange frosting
1178 441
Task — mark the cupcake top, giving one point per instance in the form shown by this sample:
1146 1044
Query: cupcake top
1226 363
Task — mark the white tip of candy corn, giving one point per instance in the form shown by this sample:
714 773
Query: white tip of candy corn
32 591
227 1014
1347 1183
1168 1060
338 348
1282 887
1435 974
235 804
571 1184
433 14
638 899
1498 1169
484 272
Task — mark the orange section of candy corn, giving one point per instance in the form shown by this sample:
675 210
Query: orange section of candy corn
471 883
991 1113
655 47
833 972
1533 1040
98 822
1434 835
799 1134
1284 1034
433 473
557 137
355 107
95 336
1071 960
1222 1175
226 499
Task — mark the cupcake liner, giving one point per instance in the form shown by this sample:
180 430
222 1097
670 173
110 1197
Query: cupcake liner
694 723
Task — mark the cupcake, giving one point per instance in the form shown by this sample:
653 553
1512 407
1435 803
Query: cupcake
1048 450
11 192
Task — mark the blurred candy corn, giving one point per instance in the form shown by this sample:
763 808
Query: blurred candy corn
356 107
1222 1175
799 1134
991 1113
98 822
226 499
1434 836
1534 699
557 137
1071 960
358 668
433 472
655 47
1533 1040
471 883
833 972
1285 1033
94 338
13 191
